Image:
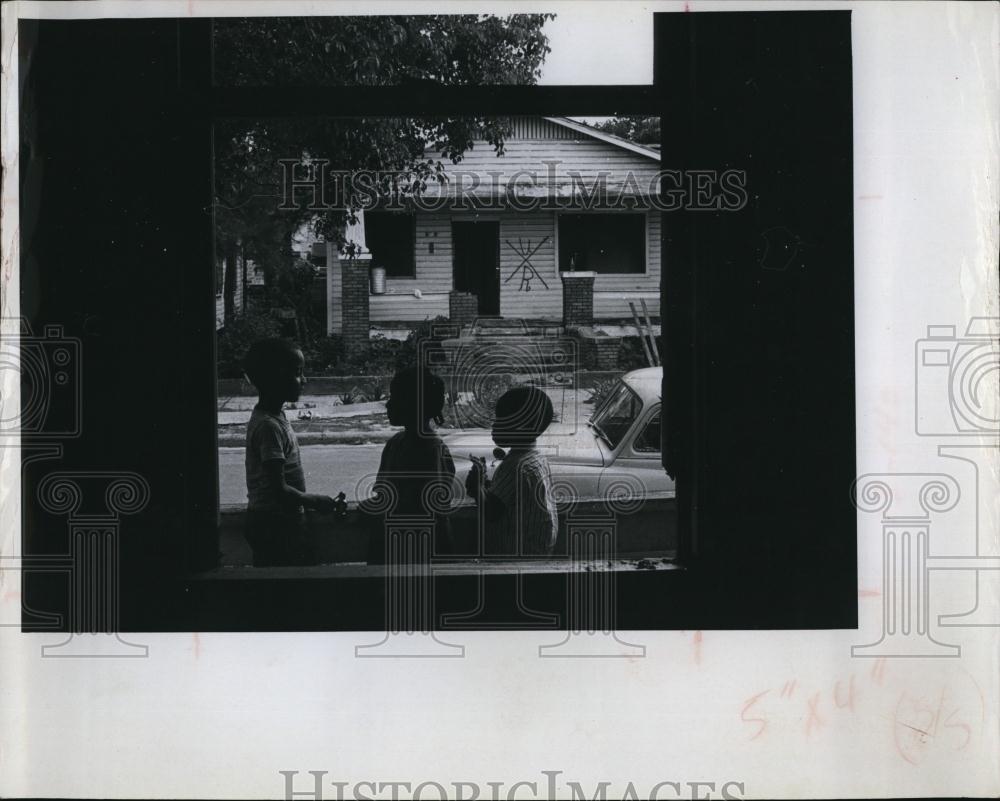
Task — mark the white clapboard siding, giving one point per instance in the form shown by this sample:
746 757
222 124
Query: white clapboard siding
432 255
433 279
522 234
552 165
519 233
614 305
236 265
407 308
432 258
534 142
537 128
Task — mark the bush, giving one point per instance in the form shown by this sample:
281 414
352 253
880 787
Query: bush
423 333
382 358
323 355
377 388
238 335
631 355
352 396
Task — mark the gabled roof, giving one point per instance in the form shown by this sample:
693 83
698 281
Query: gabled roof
579 127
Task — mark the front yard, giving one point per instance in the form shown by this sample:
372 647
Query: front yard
337 411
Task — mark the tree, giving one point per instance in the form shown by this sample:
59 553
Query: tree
351 51
641 130
465 49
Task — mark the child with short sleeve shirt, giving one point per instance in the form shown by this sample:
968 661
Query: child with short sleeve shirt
276 487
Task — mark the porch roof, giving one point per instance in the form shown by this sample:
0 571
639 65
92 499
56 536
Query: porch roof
568 169
579 127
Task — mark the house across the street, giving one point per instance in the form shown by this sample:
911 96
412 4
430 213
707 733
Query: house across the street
558 228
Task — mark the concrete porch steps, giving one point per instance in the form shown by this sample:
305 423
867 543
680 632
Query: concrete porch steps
549 356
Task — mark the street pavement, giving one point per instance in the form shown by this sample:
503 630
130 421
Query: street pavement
320 419
329 469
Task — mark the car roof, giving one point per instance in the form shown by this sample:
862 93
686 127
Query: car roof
646 382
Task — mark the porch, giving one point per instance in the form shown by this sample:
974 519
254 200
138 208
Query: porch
508 265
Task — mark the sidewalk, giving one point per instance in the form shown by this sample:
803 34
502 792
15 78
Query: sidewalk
324 420
316 420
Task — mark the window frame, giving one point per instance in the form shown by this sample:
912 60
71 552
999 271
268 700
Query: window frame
188 234
656 413
634 397
412 217
644 213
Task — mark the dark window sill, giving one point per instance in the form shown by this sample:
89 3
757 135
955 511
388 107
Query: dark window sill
441 567
646 534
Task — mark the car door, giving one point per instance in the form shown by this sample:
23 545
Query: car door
636 466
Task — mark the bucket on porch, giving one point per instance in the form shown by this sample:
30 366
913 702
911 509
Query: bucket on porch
378 281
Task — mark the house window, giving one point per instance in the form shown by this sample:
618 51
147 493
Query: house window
391 237
602 243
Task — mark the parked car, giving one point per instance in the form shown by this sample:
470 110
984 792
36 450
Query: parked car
616 453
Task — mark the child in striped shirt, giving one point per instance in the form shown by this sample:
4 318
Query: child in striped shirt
518 505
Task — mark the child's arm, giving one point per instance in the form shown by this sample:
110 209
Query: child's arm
447 464
369 505
290 497
478 489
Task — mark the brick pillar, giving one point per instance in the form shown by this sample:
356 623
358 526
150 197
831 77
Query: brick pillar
463 307
354 302
578 298
606 352
598 352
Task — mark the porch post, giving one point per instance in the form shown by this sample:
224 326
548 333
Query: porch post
356 288
354 297
578 298
334 311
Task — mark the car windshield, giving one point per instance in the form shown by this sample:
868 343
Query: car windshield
615 417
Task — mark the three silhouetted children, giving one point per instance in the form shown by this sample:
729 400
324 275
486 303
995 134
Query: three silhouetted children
416 470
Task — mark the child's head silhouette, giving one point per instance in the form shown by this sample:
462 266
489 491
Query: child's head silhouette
416 395
274 367
522 414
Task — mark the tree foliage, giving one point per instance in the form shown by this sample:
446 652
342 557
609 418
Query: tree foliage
641 130
353 51
380 50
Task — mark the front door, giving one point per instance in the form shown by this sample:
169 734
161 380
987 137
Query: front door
476 263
